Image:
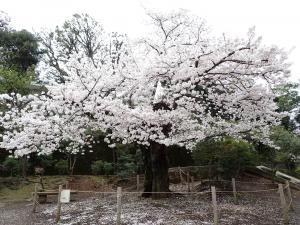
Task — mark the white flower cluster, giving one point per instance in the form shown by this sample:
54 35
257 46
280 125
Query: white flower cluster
176 87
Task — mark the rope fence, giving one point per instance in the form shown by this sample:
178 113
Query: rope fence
283 190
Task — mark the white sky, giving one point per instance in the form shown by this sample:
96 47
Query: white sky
277 21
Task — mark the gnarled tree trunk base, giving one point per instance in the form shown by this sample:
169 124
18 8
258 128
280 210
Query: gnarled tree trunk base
156 184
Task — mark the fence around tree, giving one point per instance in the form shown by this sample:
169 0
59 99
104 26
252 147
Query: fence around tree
124 205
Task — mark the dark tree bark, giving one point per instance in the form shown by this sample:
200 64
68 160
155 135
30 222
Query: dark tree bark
160 166
148 171
156 171
156 163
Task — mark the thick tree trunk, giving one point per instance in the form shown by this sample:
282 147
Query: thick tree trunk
160 166
156 171
148 172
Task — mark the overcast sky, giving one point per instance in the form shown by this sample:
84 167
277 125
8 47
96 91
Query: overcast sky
276 21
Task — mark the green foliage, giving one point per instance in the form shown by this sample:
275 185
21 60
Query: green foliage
19 49
289 100
100 167
289 145
138 157
47 162
231 156
97 167
12 165
286 140
126 165
297 170
62 167
108 168
12 81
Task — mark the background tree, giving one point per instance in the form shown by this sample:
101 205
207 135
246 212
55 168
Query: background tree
18 56
230 156
19 50
289 147
289 102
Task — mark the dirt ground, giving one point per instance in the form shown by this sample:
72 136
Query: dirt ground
96 208
296 205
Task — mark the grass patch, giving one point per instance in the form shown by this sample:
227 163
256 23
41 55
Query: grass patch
19 189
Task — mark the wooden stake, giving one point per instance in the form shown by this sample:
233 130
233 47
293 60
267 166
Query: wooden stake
188 181
193 184
234 190
290 197
283 204
58 212
35 198
102 182
137 183
119 205
180 174
215 207
67 185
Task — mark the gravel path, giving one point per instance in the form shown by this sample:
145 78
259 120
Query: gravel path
16 214
177 210
296 204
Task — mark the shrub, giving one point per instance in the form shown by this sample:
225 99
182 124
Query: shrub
297 170
97 167
126 165
62 167
231 156
108 168
12 166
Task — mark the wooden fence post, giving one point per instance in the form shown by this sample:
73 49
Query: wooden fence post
290 197
180 174
137 183
215 207
234 190
283 204
188 181
35 198
119 197
67 185
58 212
193 184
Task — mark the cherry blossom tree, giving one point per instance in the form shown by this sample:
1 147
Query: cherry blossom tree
177 86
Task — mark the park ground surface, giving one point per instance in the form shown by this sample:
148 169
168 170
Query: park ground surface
97 208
